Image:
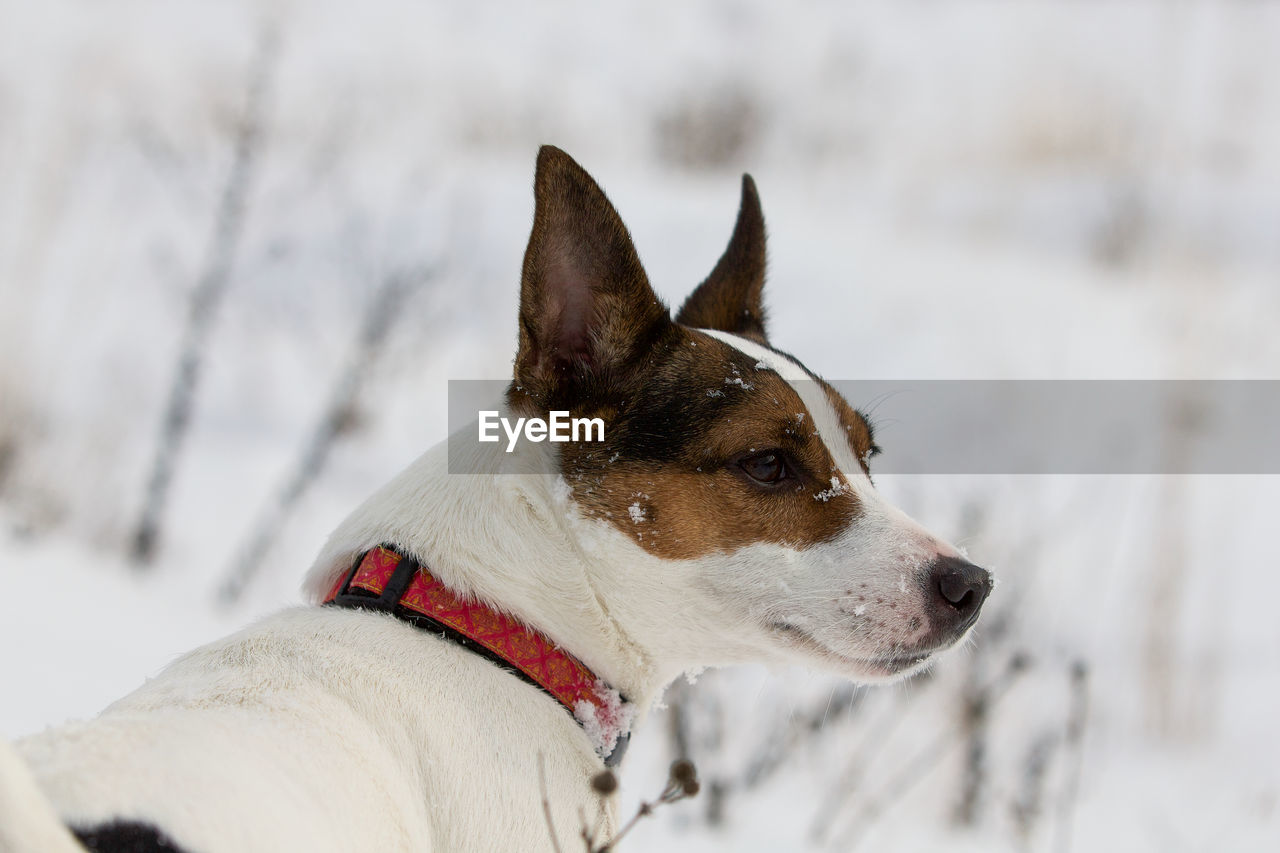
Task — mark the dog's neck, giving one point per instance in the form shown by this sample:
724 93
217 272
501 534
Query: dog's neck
507 537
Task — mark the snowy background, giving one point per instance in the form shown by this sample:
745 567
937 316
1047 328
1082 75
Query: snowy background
954 190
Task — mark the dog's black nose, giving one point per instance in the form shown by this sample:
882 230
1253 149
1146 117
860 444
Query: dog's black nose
962 587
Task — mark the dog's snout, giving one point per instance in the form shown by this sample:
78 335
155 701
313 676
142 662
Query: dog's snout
961 586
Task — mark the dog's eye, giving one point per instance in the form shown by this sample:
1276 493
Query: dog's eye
768 468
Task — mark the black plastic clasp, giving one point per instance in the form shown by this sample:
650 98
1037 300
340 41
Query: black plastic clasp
389 600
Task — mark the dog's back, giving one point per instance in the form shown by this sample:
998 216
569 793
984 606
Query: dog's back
302 733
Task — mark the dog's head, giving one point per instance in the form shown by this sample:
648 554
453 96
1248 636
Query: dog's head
730 476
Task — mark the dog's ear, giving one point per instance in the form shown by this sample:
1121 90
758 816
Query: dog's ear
731 299
587 312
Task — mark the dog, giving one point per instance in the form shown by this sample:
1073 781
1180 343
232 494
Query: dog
475 644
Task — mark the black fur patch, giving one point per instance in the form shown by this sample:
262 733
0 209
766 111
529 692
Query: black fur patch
126 836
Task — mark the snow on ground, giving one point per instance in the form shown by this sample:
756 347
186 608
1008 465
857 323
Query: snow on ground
969 190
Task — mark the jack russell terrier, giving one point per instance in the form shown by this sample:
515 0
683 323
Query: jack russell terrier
475 641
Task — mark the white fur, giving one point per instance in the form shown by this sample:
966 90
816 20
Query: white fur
322 730
325 729
27 819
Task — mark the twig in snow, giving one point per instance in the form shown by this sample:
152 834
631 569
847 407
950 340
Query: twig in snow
205 300
846 700
1074 744
380 315
1028 807
771 753
682 784
844 791
926 759
604 784
677 701
974 723
546 803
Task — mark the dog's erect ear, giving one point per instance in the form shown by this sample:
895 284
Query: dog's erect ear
731 299
587 312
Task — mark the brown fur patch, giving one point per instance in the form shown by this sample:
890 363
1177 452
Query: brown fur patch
667 474
732 298
588 317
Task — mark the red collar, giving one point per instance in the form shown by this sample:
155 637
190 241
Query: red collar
382 579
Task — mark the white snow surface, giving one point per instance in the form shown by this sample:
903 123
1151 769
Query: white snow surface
966 190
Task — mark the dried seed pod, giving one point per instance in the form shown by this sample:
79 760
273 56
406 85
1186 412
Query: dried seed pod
683 771
604 783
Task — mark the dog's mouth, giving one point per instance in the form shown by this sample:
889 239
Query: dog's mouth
879 666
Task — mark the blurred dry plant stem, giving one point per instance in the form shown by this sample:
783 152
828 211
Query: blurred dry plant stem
862 816
682 783
207 296
336 420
